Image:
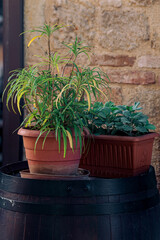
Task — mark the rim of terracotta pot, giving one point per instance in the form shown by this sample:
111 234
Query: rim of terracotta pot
125 138
33 133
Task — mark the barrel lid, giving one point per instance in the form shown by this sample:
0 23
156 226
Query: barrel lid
11 181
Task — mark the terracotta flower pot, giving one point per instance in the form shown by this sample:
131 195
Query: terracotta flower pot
49 160
117 156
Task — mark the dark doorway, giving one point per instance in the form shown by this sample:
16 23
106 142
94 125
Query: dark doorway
1 76
12 59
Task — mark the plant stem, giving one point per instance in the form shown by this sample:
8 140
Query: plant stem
72 67
49 52
82 96
52 100
66 65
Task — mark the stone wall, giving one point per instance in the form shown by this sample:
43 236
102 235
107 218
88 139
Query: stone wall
126 39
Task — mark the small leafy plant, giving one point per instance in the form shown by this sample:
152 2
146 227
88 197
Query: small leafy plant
56 101
109 119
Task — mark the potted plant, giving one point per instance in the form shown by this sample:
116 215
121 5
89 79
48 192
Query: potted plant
120 144
56 104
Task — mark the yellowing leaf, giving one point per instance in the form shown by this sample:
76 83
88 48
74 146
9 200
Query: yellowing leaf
70 139
44 121
19 97
33 40
60 94
88 98
94 82
28 123
57 68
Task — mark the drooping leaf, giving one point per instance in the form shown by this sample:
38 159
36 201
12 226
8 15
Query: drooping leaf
64 142
69 135
39 36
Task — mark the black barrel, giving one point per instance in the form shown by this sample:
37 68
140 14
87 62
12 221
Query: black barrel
89 209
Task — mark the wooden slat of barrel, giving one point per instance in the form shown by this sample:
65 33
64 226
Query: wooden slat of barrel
93 209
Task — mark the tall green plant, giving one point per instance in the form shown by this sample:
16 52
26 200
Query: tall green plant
56 101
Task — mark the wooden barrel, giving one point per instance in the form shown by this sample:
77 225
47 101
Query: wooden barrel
90 209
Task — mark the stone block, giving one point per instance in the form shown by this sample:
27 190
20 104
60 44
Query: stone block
113 94
110 3
114 61
149 99
123 30
132 77
142 2
79 19
149 61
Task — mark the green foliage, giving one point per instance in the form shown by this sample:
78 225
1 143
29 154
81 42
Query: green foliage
76 48
110 119
56 101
